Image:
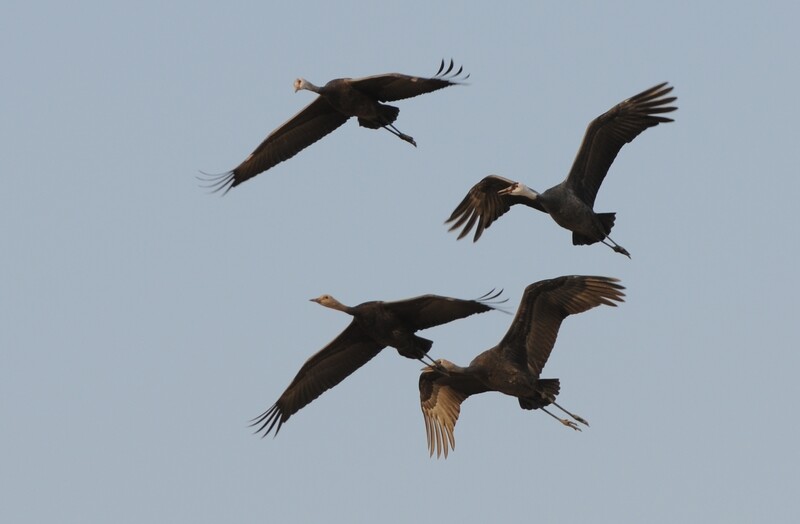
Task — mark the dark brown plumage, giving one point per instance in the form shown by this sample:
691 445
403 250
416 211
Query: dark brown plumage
338 100
515 364
375 325
571 202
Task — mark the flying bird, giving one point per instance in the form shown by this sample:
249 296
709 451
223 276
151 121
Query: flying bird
571 202
375 325
515 364
338 100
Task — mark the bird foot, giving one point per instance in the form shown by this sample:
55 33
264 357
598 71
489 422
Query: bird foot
570 424
580 419
408 139
620 249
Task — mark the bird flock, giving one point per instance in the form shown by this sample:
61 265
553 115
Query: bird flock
515 364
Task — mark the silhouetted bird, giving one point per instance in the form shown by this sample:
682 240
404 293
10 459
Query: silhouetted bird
514 365
375 325
338 100
571 202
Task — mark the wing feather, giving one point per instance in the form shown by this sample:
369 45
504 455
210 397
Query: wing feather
324 370
483 205
426 311
607 133
313 122
397 86
545 305
441 405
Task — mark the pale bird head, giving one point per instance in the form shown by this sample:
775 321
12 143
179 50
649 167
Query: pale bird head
518 188
445 365
323 299
513 189
329 301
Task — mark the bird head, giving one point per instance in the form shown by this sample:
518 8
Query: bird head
322 299
329 301
443 367
518 188
302 83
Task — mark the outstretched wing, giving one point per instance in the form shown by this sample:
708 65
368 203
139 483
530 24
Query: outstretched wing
325 369
483 205
440 399
306 127
396 86
545 305
427 311
607 133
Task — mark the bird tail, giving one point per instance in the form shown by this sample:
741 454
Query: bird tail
606 221
386 115
548 389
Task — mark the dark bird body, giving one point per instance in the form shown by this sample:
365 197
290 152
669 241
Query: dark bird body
571 203
375 325
338 100
514 365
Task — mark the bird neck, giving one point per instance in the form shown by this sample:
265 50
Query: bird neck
330 302
305 84
451 368
335 304
528 192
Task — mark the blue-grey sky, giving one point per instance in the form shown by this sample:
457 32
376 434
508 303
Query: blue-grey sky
144 321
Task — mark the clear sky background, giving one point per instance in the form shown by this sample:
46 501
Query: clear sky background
144 321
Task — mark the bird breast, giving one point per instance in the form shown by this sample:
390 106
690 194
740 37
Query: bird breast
505 377
350 101
382 326
569 211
